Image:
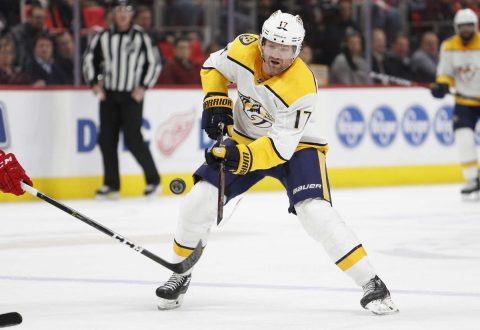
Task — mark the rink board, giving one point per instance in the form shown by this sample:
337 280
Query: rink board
377 136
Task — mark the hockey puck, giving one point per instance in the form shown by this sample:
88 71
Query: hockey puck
177 186
9 319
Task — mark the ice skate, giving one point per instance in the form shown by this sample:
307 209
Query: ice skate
471 191
106 192
152 190
376 298
171 293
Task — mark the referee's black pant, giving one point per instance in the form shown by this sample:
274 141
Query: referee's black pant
121 111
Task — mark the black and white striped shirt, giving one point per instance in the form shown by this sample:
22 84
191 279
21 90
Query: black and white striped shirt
123 60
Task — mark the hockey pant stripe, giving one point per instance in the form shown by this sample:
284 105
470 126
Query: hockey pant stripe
323 175
351 258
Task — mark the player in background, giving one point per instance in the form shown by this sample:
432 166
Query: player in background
459 66
11 174
270 134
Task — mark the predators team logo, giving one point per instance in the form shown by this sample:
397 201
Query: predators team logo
466 72
255 112
247 39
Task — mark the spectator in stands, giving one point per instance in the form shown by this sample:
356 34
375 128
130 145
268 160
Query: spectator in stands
197 55
241 17
425 59
24 34
183 13
181 70
9 15
306 54
349 67
212 48
9 74
387 18
144 18
167 47
397 63
65 52
61 13
42 67
379 45
336 28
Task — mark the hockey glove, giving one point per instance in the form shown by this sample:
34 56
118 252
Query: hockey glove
11 174
238 159
439 90
216 109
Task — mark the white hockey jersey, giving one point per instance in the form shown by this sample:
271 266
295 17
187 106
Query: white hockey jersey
273 116
459 66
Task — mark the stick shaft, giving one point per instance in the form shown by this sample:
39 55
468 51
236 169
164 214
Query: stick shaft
404 82
178 268
221 179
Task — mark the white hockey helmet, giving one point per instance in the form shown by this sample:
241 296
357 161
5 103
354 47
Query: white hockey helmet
465 16
285 29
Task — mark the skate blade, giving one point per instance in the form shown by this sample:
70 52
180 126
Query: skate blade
382 307
154 194
472 197
111 196
166 304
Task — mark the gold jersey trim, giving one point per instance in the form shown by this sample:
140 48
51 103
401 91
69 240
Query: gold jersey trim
455 43
289 86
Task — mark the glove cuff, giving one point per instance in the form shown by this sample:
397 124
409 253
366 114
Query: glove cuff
245 159
218 101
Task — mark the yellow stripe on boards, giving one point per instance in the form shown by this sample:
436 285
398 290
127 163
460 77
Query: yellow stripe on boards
352 259
133 185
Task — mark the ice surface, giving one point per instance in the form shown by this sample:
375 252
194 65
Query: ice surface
259 271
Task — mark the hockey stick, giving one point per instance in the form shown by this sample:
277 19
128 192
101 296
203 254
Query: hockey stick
387 79
221 178
10 319
178 268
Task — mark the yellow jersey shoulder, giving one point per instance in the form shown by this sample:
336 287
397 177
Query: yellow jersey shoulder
244 51
294 83
454 43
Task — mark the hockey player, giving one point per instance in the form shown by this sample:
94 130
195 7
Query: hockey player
270 134
459 67
11 174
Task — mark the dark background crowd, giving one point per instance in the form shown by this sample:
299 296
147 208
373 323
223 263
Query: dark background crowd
37 45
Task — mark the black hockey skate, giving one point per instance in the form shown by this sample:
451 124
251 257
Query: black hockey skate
471 190
106 192
376 298
172 292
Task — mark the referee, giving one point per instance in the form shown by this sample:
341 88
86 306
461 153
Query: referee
120 63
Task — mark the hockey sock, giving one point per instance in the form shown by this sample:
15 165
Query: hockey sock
465 141
326 226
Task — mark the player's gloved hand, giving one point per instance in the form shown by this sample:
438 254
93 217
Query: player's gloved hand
439 90
237 159
11 173
216 109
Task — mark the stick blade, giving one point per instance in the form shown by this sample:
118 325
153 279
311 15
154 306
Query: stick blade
10 319
190 261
